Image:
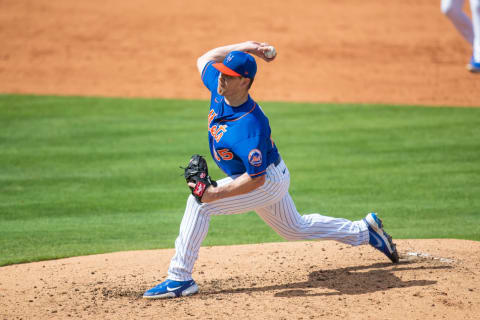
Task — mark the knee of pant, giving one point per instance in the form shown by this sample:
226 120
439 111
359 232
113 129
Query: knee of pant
293 232
290 237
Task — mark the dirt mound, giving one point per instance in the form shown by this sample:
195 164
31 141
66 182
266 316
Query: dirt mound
293 280
403 52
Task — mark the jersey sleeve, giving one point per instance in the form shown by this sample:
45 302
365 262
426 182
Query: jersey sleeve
210 76
253 153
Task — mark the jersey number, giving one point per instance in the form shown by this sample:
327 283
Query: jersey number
225 154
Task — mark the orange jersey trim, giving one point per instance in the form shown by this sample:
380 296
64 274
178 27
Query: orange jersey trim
205 69
254 105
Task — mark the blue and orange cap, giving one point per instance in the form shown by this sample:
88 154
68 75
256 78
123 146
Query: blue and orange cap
238 64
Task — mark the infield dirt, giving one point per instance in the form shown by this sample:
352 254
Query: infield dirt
400 52
291 280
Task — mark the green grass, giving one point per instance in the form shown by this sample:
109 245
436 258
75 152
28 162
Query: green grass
91 175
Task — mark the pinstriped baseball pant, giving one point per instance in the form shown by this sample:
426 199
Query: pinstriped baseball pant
469 29
274 205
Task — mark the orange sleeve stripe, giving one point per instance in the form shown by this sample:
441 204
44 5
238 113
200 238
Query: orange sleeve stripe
205 68
256 174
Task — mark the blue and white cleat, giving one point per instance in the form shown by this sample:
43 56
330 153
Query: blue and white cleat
172 289
379 239
473 66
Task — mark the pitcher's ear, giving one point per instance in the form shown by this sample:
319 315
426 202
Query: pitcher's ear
249 83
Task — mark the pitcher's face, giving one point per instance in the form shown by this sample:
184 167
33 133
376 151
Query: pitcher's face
230 85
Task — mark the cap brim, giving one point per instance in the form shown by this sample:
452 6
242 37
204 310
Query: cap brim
225 70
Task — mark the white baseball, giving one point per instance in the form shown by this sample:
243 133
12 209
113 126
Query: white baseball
270 52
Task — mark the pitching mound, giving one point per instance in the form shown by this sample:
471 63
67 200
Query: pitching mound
295 280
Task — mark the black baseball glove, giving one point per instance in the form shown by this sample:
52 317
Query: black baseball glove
197 172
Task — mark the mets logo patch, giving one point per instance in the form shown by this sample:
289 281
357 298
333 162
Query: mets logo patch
255 158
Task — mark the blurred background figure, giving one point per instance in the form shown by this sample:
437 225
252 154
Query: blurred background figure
469 29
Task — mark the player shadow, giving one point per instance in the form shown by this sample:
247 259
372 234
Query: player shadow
345 281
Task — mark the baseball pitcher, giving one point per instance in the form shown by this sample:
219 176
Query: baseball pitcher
242 145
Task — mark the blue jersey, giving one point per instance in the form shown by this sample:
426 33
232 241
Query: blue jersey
239 137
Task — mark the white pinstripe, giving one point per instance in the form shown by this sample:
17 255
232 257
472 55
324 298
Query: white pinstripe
273 204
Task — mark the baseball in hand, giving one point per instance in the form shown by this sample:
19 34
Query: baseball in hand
270 52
